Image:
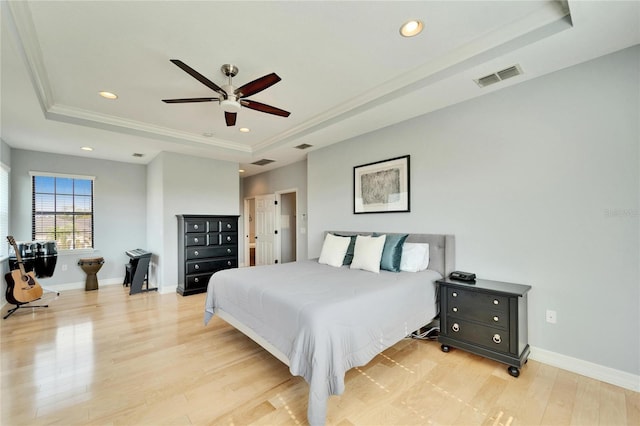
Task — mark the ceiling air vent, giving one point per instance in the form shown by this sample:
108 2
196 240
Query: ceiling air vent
499 76
262 162
303 146
137 154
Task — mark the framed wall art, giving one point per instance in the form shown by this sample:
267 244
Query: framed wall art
381 187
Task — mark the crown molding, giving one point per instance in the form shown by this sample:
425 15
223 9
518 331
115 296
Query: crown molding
109 122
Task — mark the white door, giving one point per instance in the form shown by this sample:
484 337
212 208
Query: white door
265 229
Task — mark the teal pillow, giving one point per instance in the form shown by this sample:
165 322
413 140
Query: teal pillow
392 252
348 257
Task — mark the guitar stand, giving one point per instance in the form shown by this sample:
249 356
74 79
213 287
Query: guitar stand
22 305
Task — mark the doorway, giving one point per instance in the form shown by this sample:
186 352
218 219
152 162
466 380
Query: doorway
271 228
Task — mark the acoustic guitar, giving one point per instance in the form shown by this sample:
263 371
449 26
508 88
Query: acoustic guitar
22 286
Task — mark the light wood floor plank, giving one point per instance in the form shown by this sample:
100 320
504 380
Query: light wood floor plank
107 358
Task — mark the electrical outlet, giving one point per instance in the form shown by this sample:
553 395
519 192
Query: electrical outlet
64 267
552 317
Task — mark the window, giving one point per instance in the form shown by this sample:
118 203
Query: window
63 210
4 209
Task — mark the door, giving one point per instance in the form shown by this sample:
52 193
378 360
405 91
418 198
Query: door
265 229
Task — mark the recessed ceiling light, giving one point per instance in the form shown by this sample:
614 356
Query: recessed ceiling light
241 170
108 95
86 148
244 129
411 28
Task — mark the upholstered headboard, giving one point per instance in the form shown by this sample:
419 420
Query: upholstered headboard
442 248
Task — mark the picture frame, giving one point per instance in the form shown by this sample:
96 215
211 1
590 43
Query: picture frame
382 187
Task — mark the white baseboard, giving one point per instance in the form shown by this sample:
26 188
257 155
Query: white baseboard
80 284
588 369
168 289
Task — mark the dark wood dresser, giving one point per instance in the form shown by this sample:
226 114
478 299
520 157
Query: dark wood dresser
206 244
487 318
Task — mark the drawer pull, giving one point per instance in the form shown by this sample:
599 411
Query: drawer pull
496 319
454 309
196 267
195 226
228 226
496 301
228 237
195 240
454 294
196 279
196 252
497 338
455 326
229 250
228 262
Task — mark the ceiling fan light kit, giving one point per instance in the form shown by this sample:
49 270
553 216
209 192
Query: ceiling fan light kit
232 99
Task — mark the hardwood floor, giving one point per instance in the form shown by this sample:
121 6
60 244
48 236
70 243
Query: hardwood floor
106 358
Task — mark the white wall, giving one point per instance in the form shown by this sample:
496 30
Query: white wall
182 184
539 183
119 210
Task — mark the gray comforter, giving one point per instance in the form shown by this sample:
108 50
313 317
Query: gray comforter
325 320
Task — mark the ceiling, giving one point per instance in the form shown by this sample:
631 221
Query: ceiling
345 68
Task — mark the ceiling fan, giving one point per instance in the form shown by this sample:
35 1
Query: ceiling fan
231 99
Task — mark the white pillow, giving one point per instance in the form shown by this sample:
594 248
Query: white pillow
333 250
415 257
368 252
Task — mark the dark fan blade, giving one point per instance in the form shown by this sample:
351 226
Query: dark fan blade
230 118
264 108
182 101
257 85
201 78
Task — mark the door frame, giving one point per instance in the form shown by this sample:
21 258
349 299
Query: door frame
278 224
278 241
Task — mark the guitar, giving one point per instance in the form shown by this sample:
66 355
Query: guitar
22 286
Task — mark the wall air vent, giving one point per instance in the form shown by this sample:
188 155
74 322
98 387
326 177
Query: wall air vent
499 76
303 146
263 162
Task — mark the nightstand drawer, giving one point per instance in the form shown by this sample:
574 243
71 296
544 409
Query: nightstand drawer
489 337
468 300
498 319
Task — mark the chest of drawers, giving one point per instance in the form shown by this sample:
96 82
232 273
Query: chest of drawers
206 244
488 318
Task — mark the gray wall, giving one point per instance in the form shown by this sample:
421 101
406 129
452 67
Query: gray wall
119 210
182 184
540 185
293 176
5 158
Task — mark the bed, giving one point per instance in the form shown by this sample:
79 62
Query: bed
323 320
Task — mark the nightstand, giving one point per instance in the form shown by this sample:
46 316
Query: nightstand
487 318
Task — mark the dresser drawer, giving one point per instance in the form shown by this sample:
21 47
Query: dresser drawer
469 301
205 252
222 238
195 239
478 334
195 266
198 280
223 225
195 225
